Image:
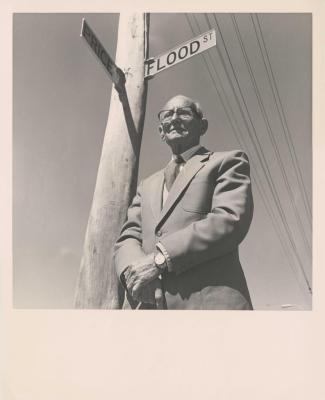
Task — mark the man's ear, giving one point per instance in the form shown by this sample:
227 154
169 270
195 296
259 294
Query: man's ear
204 126
161 133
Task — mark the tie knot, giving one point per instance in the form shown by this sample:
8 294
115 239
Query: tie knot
178 159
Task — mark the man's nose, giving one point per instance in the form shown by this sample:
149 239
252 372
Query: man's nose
175 115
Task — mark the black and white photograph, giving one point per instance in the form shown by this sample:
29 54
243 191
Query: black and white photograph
109 109
161 205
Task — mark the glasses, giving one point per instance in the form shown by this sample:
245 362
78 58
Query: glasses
183 113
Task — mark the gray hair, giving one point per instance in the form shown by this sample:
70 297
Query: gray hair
198 108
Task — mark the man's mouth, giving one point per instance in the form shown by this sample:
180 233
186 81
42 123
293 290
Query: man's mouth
176 129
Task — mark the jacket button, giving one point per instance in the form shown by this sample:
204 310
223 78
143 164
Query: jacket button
159 233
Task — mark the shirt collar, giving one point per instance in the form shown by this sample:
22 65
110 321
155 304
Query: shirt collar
189 153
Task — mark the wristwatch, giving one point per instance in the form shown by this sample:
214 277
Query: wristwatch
160 261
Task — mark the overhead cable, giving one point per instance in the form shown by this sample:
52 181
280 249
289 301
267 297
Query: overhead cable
258 148
280 109
271 136
256 180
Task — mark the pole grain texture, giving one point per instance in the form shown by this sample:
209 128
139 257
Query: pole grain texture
98 286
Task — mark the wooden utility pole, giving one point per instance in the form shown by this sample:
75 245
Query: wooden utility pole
98 285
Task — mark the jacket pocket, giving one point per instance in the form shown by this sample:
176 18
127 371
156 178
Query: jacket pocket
198 197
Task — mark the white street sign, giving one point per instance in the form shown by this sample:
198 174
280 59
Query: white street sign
102 55
180 53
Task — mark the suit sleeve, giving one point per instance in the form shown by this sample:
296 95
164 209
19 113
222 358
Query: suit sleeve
128 247
224 227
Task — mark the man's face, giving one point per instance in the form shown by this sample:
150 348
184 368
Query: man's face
180 125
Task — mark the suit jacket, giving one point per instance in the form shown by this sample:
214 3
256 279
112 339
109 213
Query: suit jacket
206 215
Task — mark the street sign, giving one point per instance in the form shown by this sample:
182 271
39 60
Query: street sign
115 74
180 53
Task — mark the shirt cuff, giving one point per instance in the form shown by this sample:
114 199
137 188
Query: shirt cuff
123 280
162 249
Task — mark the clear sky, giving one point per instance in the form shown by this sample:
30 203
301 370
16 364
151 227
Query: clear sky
61 103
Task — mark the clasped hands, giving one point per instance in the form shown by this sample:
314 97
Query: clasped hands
142 281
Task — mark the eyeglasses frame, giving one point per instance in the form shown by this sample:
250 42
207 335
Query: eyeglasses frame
193 110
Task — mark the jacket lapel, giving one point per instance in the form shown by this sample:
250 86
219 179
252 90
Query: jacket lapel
190 169
156 193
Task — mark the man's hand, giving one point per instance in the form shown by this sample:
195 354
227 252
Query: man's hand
139 275
152 294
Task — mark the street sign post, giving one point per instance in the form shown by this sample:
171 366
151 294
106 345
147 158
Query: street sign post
180 53
98 284
115 74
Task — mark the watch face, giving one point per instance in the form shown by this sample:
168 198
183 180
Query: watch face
159 259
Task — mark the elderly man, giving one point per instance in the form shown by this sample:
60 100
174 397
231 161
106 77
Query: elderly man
178 248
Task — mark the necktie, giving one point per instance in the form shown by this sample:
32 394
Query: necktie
172 170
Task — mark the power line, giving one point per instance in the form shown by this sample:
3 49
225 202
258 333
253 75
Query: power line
270 134
257 179
283 120
258 148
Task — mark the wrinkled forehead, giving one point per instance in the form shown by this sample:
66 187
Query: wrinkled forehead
177 102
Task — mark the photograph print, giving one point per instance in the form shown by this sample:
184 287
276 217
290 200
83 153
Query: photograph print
162 161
